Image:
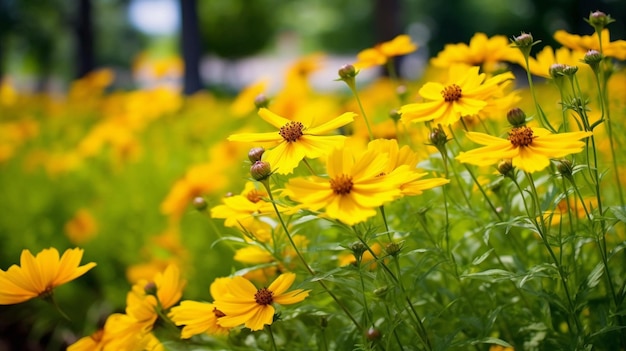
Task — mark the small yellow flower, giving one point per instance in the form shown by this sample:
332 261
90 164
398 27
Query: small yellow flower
39 275
465 94
529 148
244 102
381 53
82 227
201 317
240 210
481 51
584 43
296 140
245 304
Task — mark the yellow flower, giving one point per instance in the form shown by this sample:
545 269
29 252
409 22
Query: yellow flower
91 342
39 275
201 317
540 65
240 210
584 43
381 53
245 304
244 102
82 227
481 51
356 185
199 179
466 93
296 140
529 148
405 156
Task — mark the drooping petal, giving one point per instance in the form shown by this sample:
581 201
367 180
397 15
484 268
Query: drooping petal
282 283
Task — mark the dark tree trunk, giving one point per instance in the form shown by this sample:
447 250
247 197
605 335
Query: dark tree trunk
190 41
84 39
387 24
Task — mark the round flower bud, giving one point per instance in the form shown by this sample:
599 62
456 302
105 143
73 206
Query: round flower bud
255 154
505 167
523 40
260 170
437 137
598 20
373 334
150 288
358 248
593 59
395 115
199 203
261 101
570 70
516 117
393 249
565 167
556 70
402 92
347 72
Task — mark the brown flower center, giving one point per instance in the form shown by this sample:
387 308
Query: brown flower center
254 196
341 185
263 296
218 313
522 136
451 93
291 131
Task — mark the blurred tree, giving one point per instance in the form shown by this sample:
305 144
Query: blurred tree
236 28
191 46
83 26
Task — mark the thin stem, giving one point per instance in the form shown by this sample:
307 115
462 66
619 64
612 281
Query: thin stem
367 123
271 334
304 262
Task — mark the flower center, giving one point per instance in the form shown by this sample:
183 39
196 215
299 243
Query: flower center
341 185
451 93
291 131
254 196
218 313
263 296
522 136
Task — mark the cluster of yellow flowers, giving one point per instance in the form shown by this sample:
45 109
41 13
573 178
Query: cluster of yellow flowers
325 161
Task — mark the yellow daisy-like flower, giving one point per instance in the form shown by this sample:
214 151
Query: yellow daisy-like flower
466 93
530 149
381 53
241 209
296 140
356 185
201 317
481 51
584 43
252 307
39 275
244 102
399 156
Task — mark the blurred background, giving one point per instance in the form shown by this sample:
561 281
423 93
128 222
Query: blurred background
225 45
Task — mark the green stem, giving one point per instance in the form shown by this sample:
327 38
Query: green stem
367 123
271 334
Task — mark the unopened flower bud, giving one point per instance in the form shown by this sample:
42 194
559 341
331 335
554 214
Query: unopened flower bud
255 154
598 20
260 170
565 168
358 248
524 42
516 117
402 92
395 115
505 167
570 70
347 72
199 203
373 334
150 288
261 101
393 249
556 70
438 137
593 59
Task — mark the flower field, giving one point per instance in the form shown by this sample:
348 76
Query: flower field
479 207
